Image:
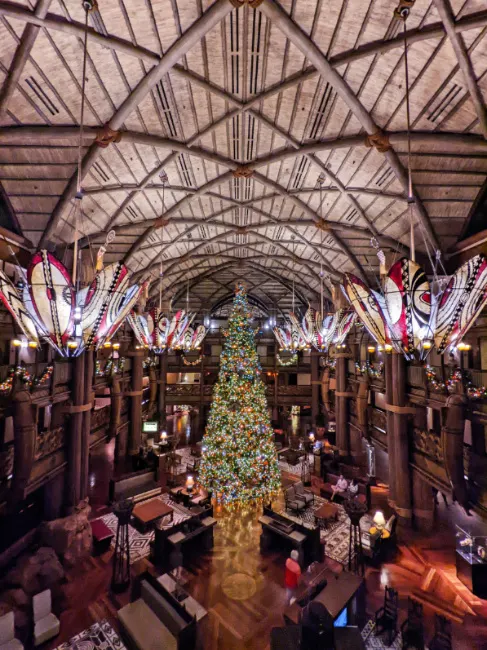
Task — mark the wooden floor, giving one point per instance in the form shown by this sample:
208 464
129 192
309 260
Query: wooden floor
241 616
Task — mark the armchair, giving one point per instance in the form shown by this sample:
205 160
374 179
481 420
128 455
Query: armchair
442 638
303 495
386 616
292 502
193 465
7 633
46 624
412 630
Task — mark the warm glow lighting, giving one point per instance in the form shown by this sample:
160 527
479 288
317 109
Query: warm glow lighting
379 519
380 348
107 344
388 347
371 348
16 343
427 344
116 346
72 345
32 344
189 483
464 347
312 437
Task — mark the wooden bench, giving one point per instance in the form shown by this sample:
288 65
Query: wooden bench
102 536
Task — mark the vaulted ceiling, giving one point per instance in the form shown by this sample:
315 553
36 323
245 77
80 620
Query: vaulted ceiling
256 140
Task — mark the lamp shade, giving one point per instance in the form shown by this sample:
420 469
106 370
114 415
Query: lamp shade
379 519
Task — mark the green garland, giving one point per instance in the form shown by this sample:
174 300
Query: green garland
292 361
110 367
192 363
25 377
370 369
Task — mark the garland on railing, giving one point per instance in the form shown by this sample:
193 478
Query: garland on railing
370 369
456 376
326 362
25 377
292 361
192 363
110 367
150 362
433 380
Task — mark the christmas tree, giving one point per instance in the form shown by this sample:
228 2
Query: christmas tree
239 458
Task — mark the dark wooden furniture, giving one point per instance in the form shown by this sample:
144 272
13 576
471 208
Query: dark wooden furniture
342 591
324 513
290 637
192 536
149 512
102 536
302 494
137 486
291 456
412 630
386 616
442 638
155 618
473 574
292 502
279 530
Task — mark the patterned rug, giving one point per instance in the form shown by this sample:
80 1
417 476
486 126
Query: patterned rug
373 642
100 636
139 542
337 534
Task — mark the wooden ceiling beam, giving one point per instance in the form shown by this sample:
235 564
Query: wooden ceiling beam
443 7
21 56
193 35
278 16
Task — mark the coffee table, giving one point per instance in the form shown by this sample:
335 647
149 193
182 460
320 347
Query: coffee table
326 512
149 512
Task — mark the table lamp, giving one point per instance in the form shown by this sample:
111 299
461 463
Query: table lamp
164 437
379 520
190 484
311 437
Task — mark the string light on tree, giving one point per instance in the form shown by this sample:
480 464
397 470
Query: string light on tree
239 461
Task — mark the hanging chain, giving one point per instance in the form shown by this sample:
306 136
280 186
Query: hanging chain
408 118
320 181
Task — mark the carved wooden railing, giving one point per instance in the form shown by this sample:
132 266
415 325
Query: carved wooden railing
48 442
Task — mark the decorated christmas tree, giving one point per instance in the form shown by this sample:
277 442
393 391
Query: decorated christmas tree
239 461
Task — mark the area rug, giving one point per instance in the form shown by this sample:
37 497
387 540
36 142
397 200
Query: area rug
373 642
100 636
139 543
337 535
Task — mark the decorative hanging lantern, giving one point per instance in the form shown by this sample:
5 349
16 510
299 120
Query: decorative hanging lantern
369 307
291 337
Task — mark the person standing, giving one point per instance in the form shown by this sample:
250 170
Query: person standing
293 573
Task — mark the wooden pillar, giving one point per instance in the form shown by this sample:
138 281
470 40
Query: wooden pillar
452 433
402 470
86 431
390 429
325 389
121 443
152 390
161 402
135 395
424 506
341 405
74 453
315 388
24 444
115 406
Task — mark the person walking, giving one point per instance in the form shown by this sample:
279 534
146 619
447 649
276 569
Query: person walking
293 573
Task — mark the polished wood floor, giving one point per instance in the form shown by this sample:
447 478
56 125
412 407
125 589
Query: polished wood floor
424 566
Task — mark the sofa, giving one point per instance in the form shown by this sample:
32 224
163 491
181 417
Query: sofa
137 486
327 492
155 620
7 633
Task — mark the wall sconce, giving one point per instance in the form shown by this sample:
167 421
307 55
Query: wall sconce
427 344
464 347
371 348
107 344
116 346
16 343
32 344
388 347
72 345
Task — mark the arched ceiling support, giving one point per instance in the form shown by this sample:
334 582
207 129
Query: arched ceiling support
21 57
443 7
278 17
56 23
193 35
240 263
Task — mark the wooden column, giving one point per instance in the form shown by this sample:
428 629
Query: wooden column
315 388
161 401
24 444
424 506
341 404
86 431
201 416
452 433
390 429
402 470
152 390
74 443
325 389
135 394
115 406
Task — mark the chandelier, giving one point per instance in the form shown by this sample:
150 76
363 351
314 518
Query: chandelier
332 329
49 308
159 332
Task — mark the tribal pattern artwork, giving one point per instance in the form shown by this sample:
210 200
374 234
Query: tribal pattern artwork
369 307
314 330
408 305
14 304
291 336
159 332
